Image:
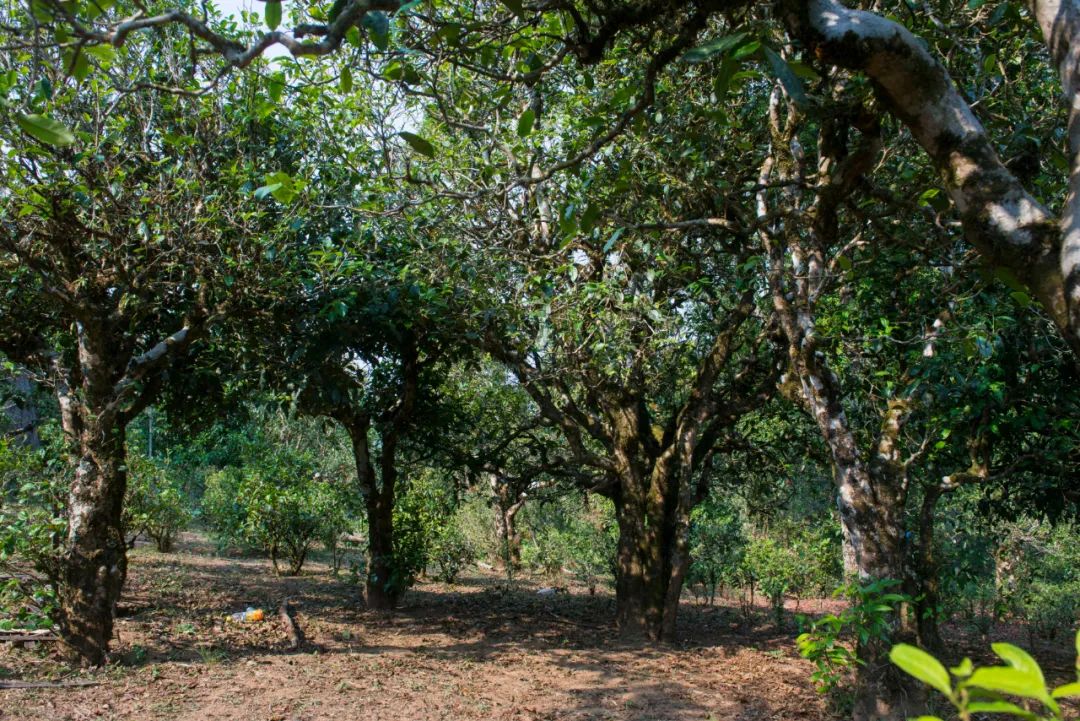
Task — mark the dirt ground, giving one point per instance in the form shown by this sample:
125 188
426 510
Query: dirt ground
475 650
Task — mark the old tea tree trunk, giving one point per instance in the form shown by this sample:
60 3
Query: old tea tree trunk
872 483
100 392
653 466
338 398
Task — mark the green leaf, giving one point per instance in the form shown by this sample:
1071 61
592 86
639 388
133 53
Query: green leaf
346 81
788 79
272 13
394 70
525 123
45 129
1007 680
418 144
76 63
1069 690
1019 659
265 190
714 47
377 25
998 707
280 185
1009 278
514 5
1022 299
964 669
745 51
275 87
104 53
922 666
613 239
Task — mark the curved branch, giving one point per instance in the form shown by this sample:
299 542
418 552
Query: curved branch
1002 220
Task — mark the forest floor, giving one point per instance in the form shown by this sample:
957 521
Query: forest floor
478 649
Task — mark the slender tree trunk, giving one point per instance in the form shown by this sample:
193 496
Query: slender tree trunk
386 579
384 585
506 534
379 505
926 574
93 563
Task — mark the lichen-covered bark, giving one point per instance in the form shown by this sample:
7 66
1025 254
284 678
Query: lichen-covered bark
1059 21
1007 224
870 482
93 562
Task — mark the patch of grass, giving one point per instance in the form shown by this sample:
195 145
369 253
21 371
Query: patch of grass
211 656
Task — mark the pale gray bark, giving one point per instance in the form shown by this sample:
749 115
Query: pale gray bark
22 413
1000 218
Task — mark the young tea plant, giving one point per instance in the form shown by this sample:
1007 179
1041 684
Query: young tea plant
828 642
987 690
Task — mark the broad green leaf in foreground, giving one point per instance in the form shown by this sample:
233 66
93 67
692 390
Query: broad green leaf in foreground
922 666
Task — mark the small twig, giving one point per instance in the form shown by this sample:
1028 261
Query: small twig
48 684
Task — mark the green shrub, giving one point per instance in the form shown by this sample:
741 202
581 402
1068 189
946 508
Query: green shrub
717 545
427 532
155 502
569 536
33 521
1049 607
277 507
792 560
1043 583
476 519
774 569
333 502
450 552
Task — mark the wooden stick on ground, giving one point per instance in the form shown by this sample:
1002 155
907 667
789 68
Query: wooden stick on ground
288 622
17 635
48 684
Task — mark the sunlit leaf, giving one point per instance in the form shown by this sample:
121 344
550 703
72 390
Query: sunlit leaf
272 13
922 666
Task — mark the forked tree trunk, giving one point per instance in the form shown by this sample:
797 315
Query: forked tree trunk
508 537
93 562
379 585
507 506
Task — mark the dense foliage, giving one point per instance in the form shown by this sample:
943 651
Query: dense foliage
757 299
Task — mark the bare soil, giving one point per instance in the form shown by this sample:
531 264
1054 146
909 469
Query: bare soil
479 649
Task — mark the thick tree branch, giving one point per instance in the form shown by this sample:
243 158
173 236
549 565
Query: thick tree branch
1007 225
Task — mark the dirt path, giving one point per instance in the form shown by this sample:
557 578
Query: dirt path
477 650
